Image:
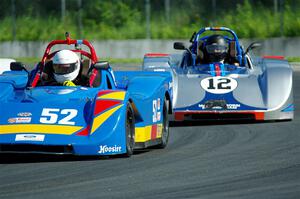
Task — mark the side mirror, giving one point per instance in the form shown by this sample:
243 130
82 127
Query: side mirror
252 46
17 66
179 46
101 65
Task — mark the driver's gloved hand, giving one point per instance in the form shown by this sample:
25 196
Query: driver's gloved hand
68 83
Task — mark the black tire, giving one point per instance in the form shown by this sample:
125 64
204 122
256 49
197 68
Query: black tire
165 128
130 130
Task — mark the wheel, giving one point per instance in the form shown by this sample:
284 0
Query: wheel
130 130
165 128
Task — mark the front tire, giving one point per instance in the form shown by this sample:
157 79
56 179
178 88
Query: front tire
130 130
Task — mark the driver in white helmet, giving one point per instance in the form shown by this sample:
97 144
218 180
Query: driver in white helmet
66 67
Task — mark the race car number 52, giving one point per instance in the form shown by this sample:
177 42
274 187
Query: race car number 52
219 85
51 115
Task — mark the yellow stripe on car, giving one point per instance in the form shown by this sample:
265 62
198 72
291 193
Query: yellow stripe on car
103 117
143 134
119 95
39 128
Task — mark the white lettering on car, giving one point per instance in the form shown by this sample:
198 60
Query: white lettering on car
156 117
109 149
219 85
51 115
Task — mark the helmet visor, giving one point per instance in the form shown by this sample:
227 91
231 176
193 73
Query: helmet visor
62 69
211 49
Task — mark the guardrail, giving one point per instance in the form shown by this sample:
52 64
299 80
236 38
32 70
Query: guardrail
137 48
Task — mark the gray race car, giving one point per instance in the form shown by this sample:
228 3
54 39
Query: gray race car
5 64
218 79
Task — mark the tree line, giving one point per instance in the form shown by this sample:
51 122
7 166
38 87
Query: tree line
136 19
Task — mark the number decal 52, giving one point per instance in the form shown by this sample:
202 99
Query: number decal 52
219 85
51 115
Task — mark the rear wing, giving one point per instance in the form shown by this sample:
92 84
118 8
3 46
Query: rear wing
156 62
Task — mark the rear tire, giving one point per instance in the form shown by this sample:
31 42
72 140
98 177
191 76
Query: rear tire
165 128
130 130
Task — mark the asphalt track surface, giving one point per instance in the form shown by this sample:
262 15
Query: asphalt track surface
249 160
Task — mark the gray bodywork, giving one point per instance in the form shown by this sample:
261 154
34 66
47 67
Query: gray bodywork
267 84
5 64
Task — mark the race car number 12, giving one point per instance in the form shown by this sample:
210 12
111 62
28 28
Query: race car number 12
219 85
51 115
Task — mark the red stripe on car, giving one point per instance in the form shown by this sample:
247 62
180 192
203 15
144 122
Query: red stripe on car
102 105
273 57
218 70
179 116
84 132
153 131
156 55
104 92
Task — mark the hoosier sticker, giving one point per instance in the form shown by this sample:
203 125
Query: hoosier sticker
109 149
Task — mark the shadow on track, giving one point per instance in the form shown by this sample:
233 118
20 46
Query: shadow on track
38 158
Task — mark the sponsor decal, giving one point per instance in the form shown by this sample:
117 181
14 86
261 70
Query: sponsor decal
109 149
11 120
150 66
233 106
156 110
189 75
19 120
30 137
228 106
218 84
158 104
170 85
24 114
159 70
158 117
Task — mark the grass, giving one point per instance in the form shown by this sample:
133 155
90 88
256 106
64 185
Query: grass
28 60
293 59
245 19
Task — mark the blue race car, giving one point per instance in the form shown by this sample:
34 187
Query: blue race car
216 78
116 113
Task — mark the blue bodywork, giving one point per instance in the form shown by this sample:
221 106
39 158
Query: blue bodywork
76 120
